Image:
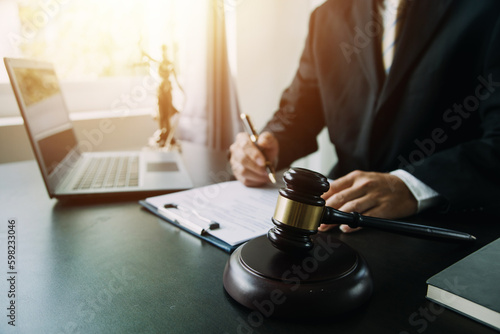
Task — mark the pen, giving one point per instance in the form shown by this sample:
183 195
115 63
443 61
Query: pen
254 137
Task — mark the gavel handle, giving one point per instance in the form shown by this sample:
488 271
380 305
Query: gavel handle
354 219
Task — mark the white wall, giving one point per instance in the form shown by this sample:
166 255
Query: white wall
270 36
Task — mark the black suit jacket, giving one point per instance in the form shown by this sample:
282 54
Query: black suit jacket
437 113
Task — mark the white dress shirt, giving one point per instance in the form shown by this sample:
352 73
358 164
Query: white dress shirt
426 196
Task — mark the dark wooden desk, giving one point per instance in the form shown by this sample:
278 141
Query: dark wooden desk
115 268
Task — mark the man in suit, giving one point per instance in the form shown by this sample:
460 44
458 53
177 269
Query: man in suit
422 131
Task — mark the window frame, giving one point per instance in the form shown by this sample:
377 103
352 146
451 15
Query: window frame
118 95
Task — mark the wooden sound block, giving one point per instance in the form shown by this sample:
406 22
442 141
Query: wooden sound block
330 279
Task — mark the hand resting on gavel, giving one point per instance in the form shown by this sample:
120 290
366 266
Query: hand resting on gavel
372 194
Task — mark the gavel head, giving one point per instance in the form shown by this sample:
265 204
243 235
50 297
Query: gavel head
299 210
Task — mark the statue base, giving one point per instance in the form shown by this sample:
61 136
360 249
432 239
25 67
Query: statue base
155 143
328 280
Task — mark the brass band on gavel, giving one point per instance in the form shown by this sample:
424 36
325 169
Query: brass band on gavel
297 214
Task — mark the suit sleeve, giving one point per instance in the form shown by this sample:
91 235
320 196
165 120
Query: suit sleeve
468 174
299 118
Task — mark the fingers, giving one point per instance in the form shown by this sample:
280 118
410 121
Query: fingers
269 145
348 229
248 162
344 228
327 227
351 194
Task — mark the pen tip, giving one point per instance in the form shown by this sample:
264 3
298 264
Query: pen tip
272 178
473 237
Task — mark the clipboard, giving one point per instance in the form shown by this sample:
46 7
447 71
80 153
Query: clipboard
204 236
241 213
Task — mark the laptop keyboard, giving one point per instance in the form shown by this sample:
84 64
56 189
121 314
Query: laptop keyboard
110 172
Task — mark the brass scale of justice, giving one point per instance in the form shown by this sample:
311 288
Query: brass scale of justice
334 278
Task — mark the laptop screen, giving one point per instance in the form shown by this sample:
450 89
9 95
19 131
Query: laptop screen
45 114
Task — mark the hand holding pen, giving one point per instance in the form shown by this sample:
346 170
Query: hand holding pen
254 137
252 156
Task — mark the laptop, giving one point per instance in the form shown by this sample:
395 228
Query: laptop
68 171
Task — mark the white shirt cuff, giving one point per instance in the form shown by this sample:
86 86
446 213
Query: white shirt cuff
425 195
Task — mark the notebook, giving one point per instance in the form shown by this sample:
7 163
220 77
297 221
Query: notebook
67 169
471 286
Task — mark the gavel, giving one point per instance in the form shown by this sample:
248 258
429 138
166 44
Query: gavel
300 210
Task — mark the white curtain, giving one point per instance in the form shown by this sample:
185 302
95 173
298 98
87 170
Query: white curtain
210 116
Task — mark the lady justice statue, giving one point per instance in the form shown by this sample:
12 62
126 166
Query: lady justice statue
167 122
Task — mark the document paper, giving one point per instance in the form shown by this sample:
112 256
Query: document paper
243 213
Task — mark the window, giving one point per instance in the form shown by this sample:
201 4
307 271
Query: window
105 51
